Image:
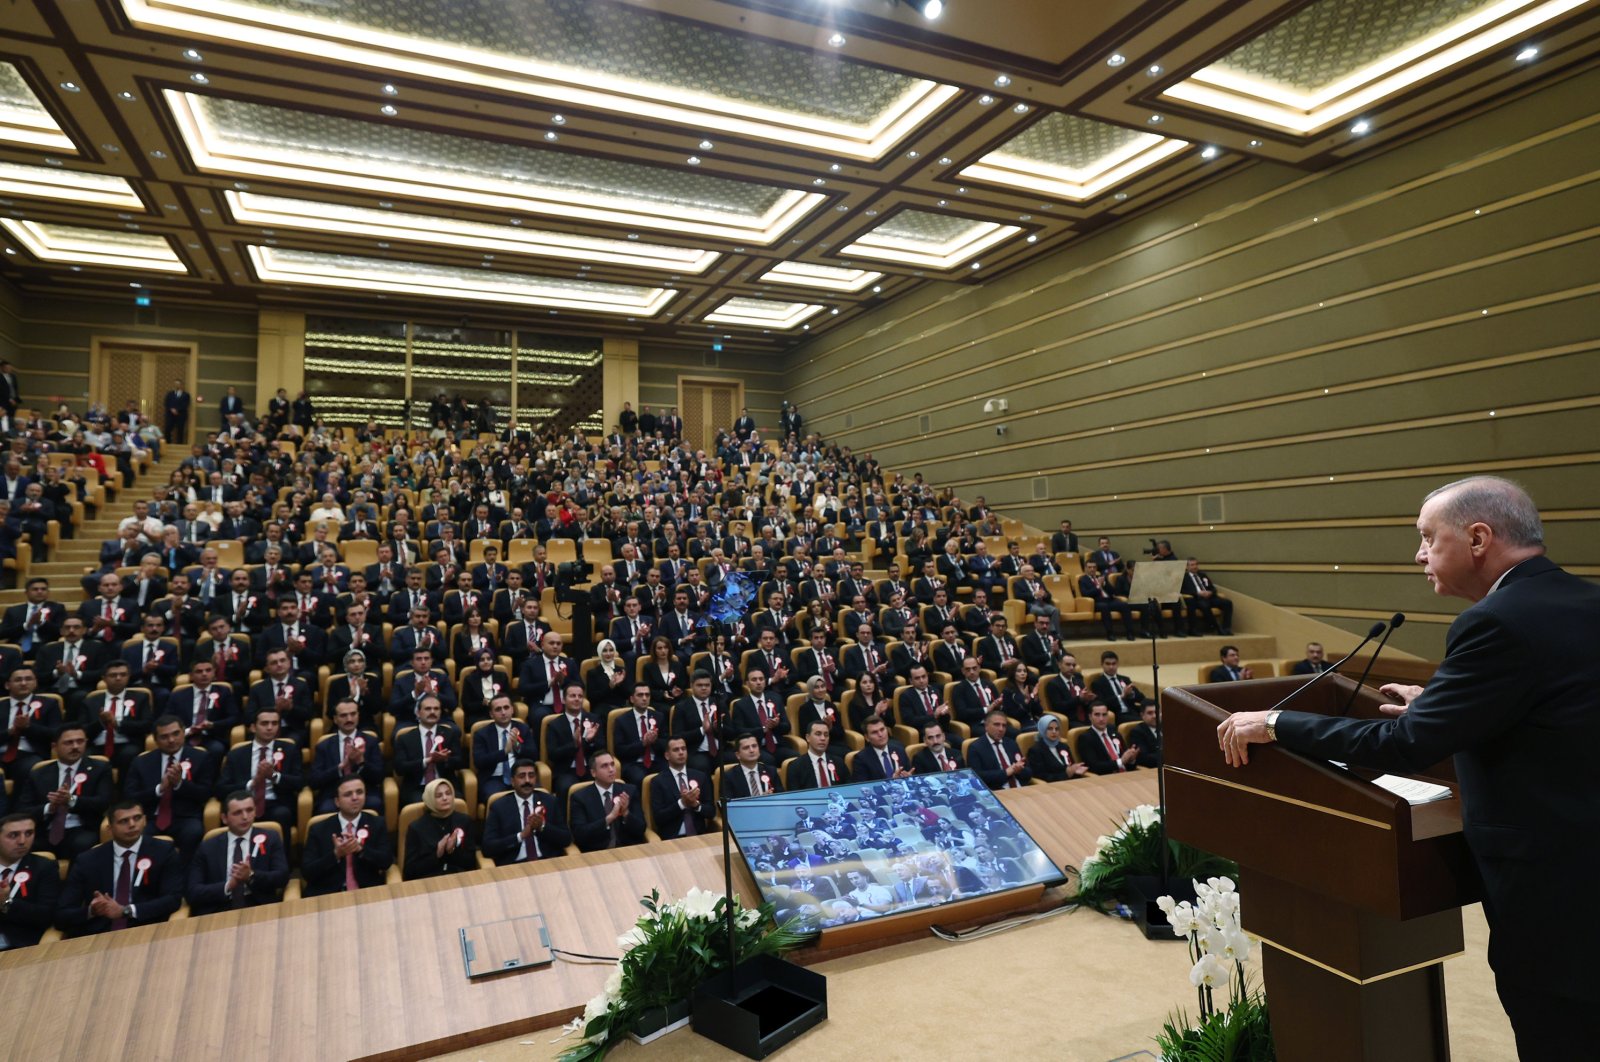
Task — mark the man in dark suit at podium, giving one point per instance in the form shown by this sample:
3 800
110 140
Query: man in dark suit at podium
1515 702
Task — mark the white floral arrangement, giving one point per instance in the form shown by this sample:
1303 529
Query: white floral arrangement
1134 849
1218 948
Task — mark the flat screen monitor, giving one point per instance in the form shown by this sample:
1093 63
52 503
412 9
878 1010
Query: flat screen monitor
833 856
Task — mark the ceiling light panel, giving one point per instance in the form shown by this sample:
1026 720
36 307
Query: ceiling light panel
275 265
1335 58
239 139
40 182
605 57
827 278
23 118
73 245
1072 158
922 238
252 208
762 313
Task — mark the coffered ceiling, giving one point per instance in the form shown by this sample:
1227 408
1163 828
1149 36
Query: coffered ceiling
754 169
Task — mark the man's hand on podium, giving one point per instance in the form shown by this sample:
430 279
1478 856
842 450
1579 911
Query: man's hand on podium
1239 731
1407 694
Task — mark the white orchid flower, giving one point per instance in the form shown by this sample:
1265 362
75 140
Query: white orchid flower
700 903
1210 972
1235 945
631 939
613 987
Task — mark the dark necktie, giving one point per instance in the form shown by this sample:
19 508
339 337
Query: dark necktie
123 892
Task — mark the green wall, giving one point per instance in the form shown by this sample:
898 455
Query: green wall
1313 352
661 366
10 326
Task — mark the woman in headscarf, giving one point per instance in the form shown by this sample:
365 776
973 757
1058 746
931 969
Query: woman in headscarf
440 841
1049 759
479 685
610 681
354 684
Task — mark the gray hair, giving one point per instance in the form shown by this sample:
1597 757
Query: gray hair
1502 504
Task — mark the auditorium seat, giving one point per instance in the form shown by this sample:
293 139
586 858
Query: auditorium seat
1074 735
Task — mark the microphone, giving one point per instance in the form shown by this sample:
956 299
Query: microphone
1394 624
1377 629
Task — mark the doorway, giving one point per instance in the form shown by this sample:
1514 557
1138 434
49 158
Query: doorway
139 370
708 405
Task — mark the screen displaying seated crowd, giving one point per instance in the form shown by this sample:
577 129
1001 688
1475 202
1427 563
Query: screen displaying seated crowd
833 856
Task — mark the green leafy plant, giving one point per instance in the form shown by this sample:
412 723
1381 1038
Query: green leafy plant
1133 849
668 952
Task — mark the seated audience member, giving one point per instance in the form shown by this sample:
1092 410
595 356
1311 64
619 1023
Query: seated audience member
73 666
348 850
440 840
348 752
1146 737
1315 663
936 756
973 696
130 880
1093 586
699 721
1066 693
996 647
30 885
267 767
817 708
421 679
496 747
1101 747
610 681
820 767
681 799
1050 759
1122 697
121 718
244 866
1020 700
1230 670
573 739
206 709
1198 586
749 775
995 756
172 782
919 704
287 693
430 750
640 737
29 722
358 686
883 758
608 813
67 795
543 676
759 713
526 824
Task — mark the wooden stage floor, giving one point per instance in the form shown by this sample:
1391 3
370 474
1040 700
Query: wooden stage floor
379 973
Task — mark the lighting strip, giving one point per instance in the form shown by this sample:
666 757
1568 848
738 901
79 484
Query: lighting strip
73 186
828 278
904 251
203 142
390 54
76 246
368 274
353 341
1220 89
1065 183
251 208
33 128
762 313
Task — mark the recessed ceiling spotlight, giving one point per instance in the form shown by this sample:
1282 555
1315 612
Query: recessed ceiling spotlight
199 78
977 265
1120 196
207 211
390 90
126 95
913 154
1209 153
834 312
158 154
706 145
928 9
52 162
515 221
806 328
1255 143
71 86
124 217
1002 81
1361 127
944 202
550 135
1021 108
110 149
1154 119
633 235
1033 237
1530 52
837 40
1116 59
10 251
385 205
818 181
1154 70
388 110
558 119
835 168
383 246
961 191
842 208
945 160
240 186
693 160
872 213
193 56
986 99
877 289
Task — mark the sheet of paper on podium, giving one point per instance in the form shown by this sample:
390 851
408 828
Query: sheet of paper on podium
1411 790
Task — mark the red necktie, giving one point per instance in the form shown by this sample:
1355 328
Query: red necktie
580 762
258 788
1000 758
350 883
822 772
1111 751
109 634
707 716
164 808
111 727
690 828
430 742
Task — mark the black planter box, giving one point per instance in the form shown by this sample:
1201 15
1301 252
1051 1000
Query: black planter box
1142 893
760 1005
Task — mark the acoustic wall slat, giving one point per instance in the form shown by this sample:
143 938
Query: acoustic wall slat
1187 351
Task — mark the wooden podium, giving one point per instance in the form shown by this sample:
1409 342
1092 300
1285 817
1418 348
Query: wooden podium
1354 893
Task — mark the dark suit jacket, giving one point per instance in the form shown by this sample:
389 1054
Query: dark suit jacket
502 830
410 768
51 613
263 695
324 872
1513 702
238 768
208 873
94 795
224 713
801 775
41 731
33 905
562 743
664 802
92 659
155 895
188 800
982 760
869 766
629 745
735 785
328 759
924 763
1149 744
589 828
486 755
968 706
1092 750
